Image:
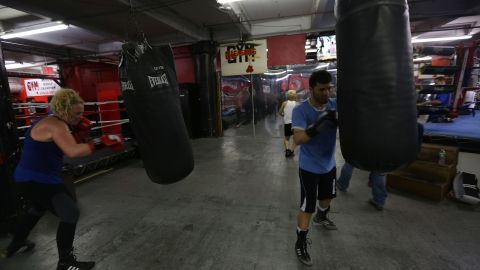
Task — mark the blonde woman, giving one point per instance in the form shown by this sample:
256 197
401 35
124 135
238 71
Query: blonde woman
286 110
37 175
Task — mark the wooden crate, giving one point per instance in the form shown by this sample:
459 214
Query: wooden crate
420 187
429 152
425 177
431 171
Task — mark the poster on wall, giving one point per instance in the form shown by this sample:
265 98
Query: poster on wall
249 57
40 87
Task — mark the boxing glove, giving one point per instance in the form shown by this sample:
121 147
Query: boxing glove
114 142
80 131
326 120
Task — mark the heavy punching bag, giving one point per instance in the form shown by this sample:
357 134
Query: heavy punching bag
150 92
375 84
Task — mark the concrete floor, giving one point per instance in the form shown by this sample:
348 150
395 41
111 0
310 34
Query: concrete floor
237 210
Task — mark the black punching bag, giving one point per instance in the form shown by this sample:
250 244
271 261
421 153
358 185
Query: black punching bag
376 90
150 92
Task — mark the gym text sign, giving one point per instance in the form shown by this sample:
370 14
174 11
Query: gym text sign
40 87
248 57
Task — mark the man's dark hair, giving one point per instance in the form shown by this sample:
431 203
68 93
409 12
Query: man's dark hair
320 76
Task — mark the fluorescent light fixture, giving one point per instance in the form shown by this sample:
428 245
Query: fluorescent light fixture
275 73
221 2
283 78
419 40
310 50
9 61
320 66
426 58
20 65
35 31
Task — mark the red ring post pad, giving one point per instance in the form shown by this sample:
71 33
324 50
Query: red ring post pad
150 91
375 85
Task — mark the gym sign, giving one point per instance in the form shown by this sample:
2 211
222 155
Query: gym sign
40 87
248 57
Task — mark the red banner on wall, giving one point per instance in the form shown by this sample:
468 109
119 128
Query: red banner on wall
286 50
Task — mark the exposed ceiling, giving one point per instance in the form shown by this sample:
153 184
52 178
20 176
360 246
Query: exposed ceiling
99 27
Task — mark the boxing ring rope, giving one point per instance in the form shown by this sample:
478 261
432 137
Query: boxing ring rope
101 123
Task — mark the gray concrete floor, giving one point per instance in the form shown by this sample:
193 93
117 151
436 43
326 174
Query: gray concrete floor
237 210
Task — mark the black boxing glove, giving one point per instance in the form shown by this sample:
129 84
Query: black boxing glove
326 120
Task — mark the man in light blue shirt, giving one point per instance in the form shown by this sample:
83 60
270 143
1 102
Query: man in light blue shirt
314 123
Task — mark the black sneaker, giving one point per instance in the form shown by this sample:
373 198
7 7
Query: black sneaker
13 249
71 263
289 153
301 251
321 219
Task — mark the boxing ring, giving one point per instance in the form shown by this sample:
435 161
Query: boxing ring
463 132
97 112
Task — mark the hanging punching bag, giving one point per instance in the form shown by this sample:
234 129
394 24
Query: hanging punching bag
151 97
376 91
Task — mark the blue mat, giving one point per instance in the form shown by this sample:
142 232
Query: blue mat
463 127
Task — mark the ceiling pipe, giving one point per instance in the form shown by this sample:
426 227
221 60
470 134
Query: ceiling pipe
169 18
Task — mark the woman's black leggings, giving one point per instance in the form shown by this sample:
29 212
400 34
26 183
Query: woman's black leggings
56 199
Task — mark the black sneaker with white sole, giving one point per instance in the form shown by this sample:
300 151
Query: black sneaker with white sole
321 219
71 263
301 248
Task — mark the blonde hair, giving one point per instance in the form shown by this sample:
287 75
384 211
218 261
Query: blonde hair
63 102
291 94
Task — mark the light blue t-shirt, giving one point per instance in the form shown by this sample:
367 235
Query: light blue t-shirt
318 155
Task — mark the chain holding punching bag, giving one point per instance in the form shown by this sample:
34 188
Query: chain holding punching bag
376 90
151 97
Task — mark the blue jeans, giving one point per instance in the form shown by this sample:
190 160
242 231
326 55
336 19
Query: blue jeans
376 179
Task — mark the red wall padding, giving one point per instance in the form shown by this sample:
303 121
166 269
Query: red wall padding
286 50
109 112
184 64
84 77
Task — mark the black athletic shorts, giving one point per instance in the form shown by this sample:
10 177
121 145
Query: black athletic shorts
315 187
287 129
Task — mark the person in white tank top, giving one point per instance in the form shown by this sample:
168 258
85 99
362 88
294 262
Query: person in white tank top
286 111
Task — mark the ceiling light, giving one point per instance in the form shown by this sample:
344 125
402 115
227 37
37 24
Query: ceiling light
34 31
9 61
426 58
310 50
320 66
20 65
221 2
275 73
419 40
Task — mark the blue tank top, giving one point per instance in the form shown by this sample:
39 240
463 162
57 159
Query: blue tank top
40 161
